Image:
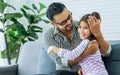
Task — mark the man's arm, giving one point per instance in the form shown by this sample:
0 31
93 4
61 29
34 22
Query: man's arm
94 25
70 54
91 49
105 48
102 44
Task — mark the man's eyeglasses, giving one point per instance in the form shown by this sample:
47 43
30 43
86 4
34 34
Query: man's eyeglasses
65 21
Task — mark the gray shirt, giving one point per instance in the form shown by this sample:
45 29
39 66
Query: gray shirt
54 38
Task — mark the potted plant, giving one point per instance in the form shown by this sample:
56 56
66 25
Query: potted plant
15 32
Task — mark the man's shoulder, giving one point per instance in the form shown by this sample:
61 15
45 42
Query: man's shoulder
50 30
75 23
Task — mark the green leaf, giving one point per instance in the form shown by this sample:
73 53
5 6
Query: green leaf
11 26
36 19
36 28
26 7
13 55
4 54
32 34
32 19
42 6
12 15
1 30
11 6
42 14
19 27
24 41
34 7
12 46
25 13
1 1
30 39
10 36
2 7
29 17
10 32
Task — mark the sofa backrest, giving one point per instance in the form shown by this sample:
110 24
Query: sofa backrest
113 42
112 62
33 59
28 58
45 63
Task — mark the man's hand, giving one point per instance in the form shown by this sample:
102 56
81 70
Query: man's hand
94 25
91 49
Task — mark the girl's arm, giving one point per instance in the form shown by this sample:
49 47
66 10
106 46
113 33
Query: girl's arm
75 52
67 53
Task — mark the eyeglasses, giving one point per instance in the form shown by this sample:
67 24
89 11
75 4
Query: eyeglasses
65 21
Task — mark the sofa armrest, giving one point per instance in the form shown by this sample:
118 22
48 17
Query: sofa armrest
9 70
112 62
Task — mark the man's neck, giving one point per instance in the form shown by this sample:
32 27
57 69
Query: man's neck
67 34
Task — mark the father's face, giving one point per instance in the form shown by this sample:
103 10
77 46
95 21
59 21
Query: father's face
63 20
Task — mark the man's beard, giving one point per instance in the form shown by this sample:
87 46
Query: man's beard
68 28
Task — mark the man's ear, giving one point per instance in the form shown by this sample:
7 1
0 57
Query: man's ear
53 23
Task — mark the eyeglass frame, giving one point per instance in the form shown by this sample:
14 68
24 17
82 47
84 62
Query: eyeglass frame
65 21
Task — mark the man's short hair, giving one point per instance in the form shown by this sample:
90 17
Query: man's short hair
54 9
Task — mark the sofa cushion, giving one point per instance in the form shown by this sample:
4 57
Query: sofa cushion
45 63
112 62
28 58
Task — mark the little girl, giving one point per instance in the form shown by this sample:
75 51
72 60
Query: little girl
91 65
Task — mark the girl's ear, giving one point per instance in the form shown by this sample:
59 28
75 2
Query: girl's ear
53 23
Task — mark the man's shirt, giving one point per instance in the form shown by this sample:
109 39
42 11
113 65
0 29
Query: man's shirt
55 38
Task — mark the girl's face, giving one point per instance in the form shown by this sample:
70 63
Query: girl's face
84 30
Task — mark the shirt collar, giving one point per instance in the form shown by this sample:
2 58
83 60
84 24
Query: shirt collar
56 31
73 31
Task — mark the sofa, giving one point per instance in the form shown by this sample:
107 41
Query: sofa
33 60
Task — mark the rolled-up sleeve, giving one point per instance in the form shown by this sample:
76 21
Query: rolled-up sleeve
108 51
49 40
58 60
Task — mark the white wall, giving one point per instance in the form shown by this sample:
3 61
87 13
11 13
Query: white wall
108 9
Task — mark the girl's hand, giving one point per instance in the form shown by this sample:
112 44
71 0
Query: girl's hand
52 48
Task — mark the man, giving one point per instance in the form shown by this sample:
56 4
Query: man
64 34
